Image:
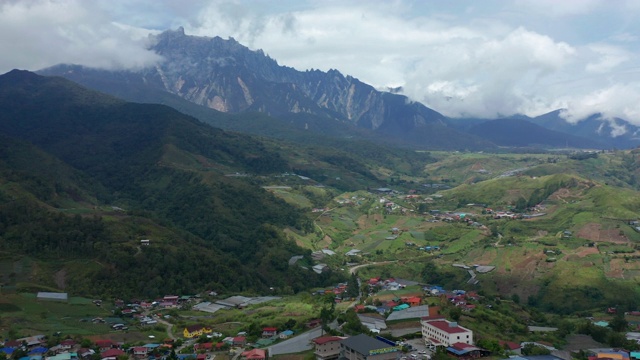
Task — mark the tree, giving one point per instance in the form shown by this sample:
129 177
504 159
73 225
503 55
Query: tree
352 287
455 313
531 349
618 323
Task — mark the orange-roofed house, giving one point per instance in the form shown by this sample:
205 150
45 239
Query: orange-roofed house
412 301
255 354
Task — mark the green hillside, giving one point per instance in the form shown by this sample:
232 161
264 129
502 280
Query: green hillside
86 177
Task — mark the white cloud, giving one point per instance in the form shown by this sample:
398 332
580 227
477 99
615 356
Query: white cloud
561 8
36 34
616 101
606 58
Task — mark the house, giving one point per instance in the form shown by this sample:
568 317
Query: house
240 341
145 242
85 353
320 268
67 344
62 356
111 354
269 332
327 347
171 299
196 331
39 350
363 347
140 351
412 301
255 354
285 334
104 345
440 332
13 344
206 347
7 351
466 351
511 347
401 307
33 341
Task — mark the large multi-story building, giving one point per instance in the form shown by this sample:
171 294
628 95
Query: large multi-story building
441 332
363 347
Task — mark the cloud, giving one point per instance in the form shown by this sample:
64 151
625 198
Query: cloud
562 8
36 34
615 101
606 58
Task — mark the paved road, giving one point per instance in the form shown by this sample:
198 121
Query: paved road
355 268
299 343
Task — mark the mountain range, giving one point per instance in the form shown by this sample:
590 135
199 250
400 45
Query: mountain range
210 78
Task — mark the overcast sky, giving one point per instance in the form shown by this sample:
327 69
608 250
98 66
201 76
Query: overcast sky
475 58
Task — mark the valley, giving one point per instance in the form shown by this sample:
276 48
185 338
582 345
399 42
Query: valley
531 242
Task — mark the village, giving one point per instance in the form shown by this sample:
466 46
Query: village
430 319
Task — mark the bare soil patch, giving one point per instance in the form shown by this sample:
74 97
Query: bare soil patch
616 269
60 279
594 232
585 251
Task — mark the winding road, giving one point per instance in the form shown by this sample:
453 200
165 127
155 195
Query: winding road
353 269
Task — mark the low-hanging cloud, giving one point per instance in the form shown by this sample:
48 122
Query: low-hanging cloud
37 34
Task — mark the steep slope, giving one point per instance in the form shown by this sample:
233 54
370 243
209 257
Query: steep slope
226 76
164 168
523 133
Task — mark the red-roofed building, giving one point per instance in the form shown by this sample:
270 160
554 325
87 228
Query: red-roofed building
140 351
255 354
444 332
239 341
201 357
359 308
327 347
111 354
512 347
67 344
13 344
203 347
269 332
104 345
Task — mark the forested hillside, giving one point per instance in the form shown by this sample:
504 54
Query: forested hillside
130 172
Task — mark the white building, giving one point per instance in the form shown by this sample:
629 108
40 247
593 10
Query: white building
441 332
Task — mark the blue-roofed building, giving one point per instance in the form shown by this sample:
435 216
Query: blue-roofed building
38 350
285 334
186 356
534 357
7 350
463 350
